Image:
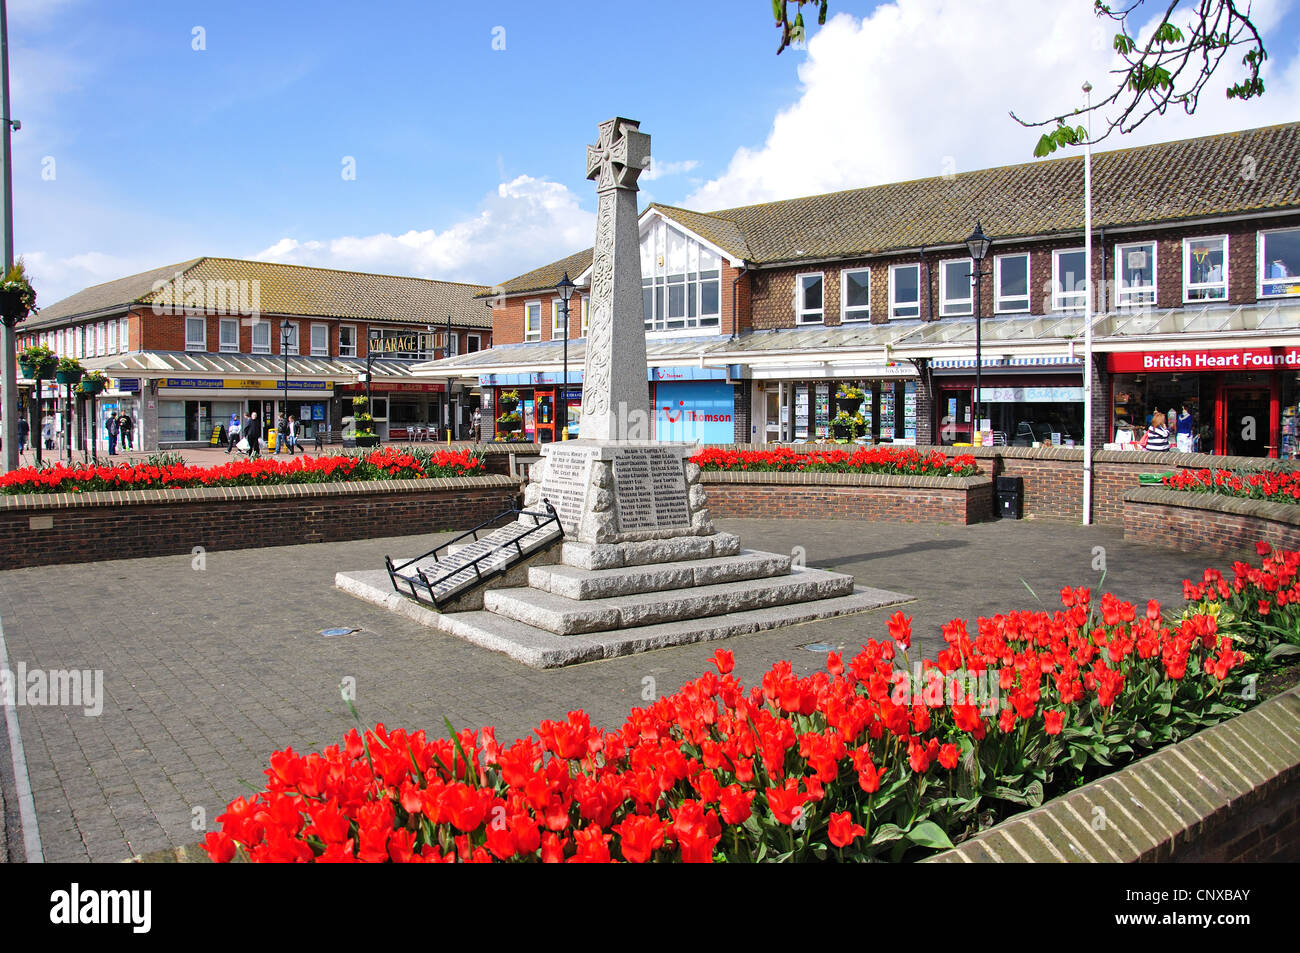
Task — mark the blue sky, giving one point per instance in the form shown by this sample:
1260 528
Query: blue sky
469 158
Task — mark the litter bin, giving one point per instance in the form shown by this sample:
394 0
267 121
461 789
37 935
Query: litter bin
1010 496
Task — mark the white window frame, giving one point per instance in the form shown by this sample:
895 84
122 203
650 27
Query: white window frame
1124 298
800 311
1188 287
101 338
859 312
893 292
1011 304
123 335
956 307
531 334
1061 300
352 352
453 344
478 343
586 313
557 323
325 350
196 344
111 328
253 346
295 347
224 325
1261 266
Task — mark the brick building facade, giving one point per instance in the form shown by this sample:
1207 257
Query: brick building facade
1192 265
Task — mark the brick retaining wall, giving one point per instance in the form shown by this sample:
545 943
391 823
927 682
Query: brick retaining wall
48 529
1218 524
1230 793
871 496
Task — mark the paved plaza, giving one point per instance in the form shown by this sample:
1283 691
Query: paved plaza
209 670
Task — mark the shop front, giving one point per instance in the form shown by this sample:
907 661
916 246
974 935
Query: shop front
804 409
1236 402
402 409
191 409
1023 402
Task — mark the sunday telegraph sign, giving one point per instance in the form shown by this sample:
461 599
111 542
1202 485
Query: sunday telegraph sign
1238 359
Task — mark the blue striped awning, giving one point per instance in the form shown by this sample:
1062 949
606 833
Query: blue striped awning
1059 361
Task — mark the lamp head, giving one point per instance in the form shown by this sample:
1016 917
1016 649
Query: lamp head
565 288
978 244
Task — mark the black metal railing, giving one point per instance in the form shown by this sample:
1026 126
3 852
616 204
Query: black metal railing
423 582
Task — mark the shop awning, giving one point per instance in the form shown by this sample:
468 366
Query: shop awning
149 364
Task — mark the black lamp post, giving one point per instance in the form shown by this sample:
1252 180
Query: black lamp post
285 328
978 245
565 288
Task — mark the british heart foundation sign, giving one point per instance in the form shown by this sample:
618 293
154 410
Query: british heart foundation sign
1239 359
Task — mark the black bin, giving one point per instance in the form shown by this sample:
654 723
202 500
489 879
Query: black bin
1010 496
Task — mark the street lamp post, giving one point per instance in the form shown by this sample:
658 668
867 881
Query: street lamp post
285 328
565 288
978 245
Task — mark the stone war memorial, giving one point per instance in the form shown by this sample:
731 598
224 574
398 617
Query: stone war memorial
638 564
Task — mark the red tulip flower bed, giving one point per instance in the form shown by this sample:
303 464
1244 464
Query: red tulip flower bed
383 464
903 460
1276 486
865 760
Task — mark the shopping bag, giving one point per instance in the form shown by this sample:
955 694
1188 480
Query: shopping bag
242 446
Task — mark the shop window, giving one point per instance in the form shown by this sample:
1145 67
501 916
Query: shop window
533 321
262 337
229 334
855 294
955 287
347 340
320 340
196 334
905 291
1135 274
1011 283
809 304
1069 280
1279 262
1205 269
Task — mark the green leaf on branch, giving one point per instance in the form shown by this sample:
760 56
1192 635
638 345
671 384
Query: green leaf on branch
929 834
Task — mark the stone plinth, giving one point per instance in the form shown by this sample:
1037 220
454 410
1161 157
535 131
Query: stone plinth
609 492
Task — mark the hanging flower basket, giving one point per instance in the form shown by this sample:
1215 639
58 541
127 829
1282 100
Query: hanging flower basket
508 424
67 377
849 404
367 440
90 386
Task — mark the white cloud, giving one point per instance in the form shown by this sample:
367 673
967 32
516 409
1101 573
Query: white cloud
923 87
660 170
524 224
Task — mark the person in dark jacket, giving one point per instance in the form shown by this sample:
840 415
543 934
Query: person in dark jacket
126 430
112 425
253 434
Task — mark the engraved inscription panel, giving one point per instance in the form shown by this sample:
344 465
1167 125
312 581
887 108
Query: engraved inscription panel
568 473
650 489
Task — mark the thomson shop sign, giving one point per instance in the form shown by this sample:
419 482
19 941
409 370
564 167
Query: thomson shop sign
1238 359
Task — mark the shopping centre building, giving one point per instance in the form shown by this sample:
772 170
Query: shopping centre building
755 317
188 345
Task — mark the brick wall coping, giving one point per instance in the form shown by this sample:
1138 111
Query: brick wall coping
1288 513
1168 460
50 501
1158 808
804 478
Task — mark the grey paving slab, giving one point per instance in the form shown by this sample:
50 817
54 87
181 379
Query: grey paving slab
207 672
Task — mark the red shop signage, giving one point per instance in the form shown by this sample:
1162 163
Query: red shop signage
1238 359
384 387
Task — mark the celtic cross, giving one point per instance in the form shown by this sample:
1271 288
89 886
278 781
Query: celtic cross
619 155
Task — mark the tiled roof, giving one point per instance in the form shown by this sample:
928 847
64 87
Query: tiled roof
544 278
1255 170
294 290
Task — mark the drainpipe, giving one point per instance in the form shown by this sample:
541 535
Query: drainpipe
744 270
929 292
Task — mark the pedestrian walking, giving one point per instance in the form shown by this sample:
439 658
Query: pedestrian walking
113 426
126 430
281 433
253 434
477 426
291 434
232 433
47 431
24 431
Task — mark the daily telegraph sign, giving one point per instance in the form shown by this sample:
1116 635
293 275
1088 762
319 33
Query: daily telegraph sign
1238 359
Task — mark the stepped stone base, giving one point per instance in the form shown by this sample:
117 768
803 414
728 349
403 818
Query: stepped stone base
540 648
